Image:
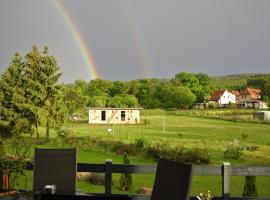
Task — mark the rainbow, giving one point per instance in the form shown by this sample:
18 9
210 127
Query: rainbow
137 41
78 38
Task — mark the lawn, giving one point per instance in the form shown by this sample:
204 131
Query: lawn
180 130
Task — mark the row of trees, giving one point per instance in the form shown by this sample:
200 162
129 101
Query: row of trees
181 92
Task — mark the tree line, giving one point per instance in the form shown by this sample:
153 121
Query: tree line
31 95
180 92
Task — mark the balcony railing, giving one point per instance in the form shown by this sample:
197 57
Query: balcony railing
225 171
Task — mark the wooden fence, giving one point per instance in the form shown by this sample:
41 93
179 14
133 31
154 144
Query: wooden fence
226 171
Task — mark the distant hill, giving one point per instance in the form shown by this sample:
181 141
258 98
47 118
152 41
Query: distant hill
233 81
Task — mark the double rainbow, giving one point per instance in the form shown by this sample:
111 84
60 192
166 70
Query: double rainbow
89 61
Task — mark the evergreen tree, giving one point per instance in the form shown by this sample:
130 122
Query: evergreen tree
9 84
53 99
29 90
250 189
126 179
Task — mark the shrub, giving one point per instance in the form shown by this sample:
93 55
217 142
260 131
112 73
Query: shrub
157 150
121 148
250 189
197 156
179 154
66 132
97 178
140 144
233 150
125 180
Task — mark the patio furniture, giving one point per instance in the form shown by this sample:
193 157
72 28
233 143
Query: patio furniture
56 167
172 181
85 197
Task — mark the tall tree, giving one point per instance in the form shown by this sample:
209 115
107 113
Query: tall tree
10 81
53 99
29 87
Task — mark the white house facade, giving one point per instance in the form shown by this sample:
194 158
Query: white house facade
222 98
114 115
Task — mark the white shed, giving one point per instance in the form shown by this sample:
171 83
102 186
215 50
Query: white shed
114 115
262 115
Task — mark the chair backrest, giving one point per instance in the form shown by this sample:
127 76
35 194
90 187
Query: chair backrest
55 167
172 181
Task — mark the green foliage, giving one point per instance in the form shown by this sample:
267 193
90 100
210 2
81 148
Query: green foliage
250 189
29 91
96 101
4 129
261 82
97 178
197 83
12 164
179 154
125 180
66 132
74 101
197 156
10 82
118 88
233 150
141 143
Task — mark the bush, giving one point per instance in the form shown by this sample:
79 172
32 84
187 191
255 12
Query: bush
140 144
197 156
250 189
97 178
179 154
66 132
125 180
233 150
122 148
158 149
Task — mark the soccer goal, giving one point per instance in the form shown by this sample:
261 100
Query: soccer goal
157 122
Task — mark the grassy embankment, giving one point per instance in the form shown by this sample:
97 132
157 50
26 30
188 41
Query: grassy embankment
180 130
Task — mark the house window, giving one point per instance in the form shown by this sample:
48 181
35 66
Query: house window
123 115
103 115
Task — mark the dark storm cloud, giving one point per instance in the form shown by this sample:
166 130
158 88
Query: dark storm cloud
216 37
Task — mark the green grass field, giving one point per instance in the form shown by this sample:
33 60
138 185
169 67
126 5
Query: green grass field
189 131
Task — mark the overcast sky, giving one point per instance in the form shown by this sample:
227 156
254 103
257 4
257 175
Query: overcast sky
133 39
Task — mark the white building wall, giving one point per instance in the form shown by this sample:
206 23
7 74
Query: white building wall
227 98
113 116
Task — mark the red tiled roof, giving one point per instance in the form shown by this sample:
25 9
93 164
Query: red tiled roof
235 92
253 93
216 95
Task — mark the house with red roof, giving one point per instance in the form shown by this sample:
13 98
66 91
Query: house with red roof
223 98
250 98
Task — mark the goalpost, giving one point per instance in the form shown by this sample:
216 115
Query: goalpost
161 120
147 125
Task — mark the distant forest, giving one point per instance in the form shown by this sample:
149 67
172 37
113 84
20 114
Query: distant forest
182 91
